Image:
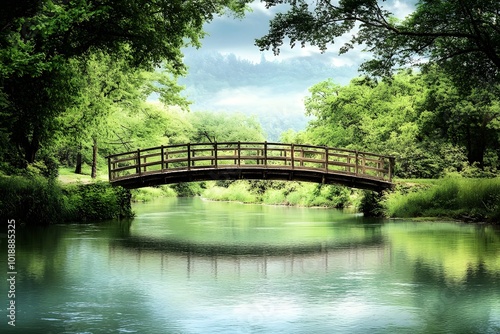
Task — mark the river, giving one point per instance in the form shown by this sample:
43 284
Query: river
194 266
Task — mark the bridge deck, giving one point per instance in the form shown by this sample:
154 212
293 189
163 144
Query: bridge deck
244 160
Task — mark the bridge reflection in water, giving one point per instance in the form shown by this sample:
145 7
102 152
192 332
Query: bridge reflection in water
260 262
250 160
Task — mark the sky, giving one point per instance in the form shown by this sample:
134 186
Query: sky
230 36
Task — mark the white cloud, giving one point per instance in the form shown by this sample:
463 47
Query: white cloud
401 9
258 100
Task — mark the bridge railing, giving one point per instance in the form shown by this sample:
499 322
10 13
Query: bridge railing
247 155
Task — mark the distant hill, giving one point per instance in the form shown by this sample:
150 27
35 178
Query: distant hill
271 90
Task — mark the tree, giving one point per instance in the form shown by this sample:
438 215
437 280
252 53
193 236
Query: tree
110 87
39 39
470 119
461 35
224 126
389 117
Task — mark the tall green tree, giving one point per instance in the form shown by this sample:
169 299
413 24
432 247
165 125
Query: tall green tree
406 117
39 39
111 94
470 119
225 126
461 35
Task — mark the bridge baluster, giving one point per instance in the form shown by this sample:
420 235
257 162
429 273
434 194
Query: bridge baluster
215 152
326 159
356 164
109 169
162 158
265 153
138 166
239 154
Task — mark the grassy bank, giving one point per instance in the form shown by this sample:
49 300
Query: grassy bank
36 200
282 193
451 197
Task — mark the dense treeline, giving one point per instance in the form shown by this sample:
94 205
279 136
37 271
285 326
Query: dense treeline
429 124
65 66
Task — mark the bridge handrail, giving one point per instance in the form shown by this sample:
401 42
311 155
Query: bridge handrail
290 156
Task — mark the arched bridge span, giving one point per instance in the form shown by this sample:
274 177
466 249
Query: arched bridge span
250 160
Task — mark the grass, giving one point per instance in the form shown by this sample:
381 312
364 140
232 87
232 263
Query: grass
67 175
237 191
281 193
454 197
36 200
147 194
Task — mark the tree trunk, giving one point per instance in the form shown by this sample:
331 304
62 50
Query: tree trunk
31 148
94 159
78 168
476 152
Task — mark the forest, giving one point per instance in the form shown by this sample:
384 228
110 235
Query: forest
76 80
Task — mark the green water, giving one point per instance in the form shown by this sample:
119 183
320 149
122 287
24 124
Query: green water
193 266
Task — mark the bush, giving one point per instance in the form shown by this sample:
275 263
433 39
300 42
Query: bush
469 199
31 200
36 200
274 196
149 193
189 189
238 191
97 201
371 204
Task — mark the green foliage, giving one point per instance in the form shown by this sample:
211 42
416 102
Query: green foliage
274 196
469 199
237 191
462 36
31 200
188 189
371 204
36 200
281 193
96 201
149 193
222 126
420 119
60 56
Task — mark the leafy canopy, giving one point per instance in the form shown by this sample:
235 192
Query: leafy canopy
461 35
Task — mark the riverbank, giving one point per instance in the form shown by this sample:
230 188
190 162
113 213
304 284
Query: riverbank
464 199
452 198
283 193
455 198
37 200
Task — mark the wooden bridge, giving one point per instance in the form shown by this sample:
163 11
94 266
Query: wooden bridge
250 160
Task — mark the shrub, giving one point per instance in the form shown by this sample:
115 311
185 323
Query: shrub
97 201
31 200
371 204
470 199
274 196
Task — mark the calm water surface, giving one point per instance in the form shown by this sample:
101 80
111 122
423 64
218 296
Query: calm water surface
193 266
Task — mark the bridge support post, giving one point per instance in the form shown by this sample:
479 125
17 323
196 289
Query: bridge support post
265 154
293 156
138 167
189 155
239 154
215 155
391 167
109 169
356 164
162 158
326 161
